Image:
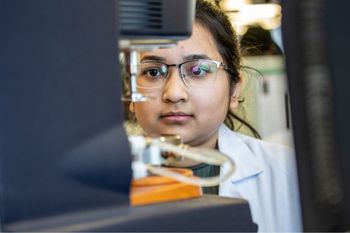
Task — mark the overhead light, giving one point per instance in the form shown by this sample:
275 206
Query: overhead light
267 16
233 5
261 11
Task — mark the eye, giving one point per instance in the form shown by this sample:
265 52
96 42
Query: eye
197 70
153 71
201 69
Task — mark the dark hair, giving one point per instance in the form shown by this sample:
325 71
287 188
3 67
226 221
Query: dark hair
218 24
258 41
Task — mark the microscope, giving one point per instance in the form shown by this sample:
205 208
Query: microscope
65 159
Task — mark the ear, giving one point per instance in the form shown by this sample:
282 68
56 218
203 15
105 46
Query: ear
132 107
235 95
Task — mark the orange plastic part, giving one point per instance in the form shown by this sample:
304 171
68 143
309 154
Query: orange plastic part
157 189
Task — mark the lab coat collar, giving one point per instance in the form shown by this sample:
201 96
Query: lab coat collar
233 145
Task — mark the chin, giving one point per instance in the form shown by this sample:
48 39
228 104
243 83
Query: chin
172 132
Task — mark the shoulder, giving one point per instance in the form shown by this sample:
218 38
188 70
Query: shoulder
270 155
274 155
264 147
254 144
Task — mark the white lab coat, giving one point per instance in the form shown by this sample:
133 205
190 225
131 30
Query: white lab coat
266 177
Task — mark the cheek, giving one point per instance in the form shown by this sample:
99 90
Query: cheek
146 111
146 115
212 104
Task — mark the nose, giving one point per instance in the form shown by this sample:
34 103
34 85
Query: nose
174 89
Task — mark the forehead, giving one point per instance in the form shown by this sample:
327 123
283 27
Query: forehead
201 43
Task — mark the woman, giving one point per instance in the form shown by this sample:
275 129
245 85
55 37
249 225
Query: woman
192 88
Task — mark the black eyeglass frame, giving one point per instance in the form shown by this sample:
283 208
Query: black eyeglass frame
218 65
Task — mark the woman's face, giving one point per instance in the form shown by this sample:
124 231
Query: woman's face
194 113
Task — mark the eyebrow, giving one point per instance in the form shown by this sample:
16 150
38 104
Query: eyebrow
196 56
153 58
186 58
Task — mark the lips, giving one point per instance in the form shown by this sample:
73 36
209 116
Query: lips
176 117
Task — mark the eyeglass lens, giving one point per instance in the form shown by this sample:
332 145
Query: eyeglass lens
194 73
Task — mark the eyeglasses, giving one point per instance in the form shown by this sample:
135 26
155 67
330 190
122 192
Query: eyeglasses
194 73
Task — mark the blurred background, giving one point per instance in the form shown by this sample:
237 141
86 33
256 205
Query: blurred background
265 94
